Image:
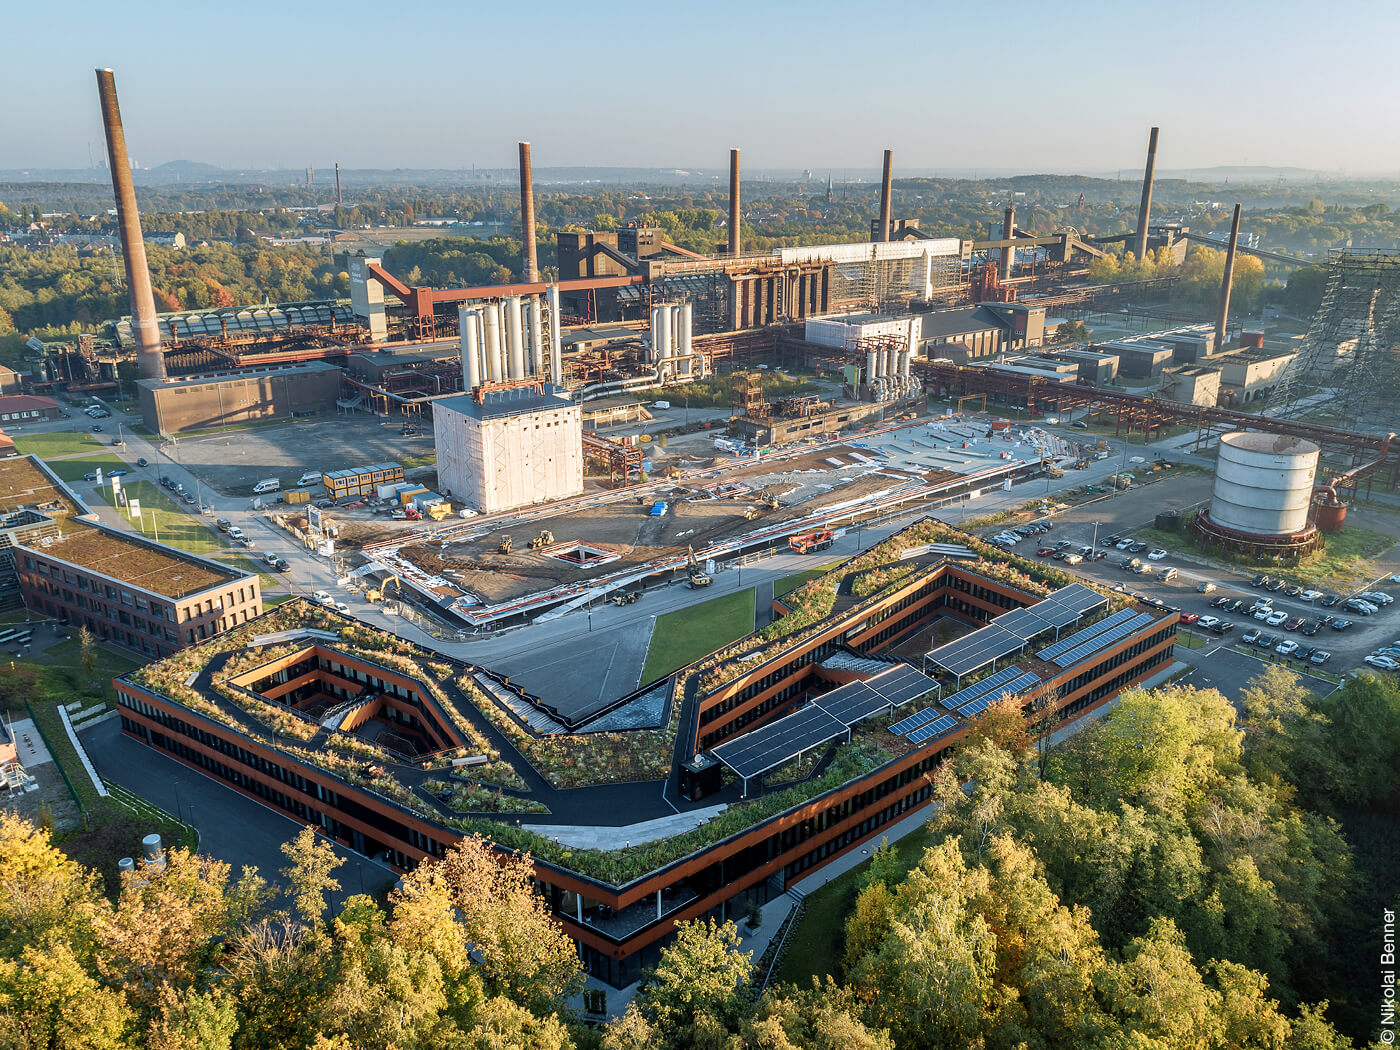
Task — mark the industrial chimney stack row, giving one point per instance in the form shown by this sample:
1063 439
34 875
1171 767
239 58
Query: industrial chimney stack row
505 341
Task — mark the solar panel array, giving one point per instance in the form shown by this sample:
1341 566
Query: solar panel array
902 683
920 718
975 690
996 693
1103 640
976 650
770 746
852 703
1064 645
937 727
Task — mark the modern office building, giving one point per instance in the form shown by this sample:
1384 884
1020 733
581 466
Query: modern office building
397 751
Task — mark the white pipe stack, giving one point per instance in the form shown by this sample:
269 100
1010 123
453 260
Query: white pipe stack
515 337
870 368
535 361
469 320
492 341
556 351
663 342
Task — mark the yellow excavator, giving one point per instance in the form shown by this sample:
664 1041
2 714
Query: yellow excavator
698 578
544 539
379 593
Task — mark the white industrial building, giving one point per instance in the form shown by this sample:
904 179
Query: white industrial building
501 449
888 355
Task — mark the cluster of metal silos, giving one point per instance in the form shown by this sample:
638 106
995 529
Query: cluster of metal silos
506 340
672 350
887 374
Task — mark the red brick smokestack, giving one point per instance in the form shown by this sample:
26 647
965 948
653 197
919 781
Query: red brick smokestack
138 274
885 198
734 202
527 216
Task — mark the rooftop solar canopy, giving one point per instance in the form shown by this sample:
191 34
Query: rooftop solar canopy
971 692
1064 645
976 650
914 721
902 683
777 743
1103 640
852 703
1077 596
994 695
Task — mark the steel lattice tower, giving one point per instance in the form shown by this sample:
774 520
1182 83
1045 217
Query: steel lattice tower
1349 364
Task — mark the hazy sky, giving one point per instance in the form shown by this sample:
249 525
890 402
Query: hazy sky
1032 86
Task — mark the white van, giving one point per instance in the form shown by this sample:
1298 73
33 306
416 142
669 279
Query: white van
267 485
311 477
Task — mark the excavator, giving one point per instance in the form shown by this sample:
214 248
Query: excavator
544 539
379 593
698 578
625 597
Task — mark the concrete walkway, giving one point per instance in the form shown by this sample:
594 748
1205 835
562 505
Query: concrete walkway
628 834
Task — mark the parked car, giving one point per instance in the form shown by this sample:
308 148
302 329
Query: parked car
1123 545
1251 636
247 541
97 428
1236 604
1286 648
1073 559
1137 548
142 462
1378 597
1156 555
1167 575
1275 619
1385 663
341 607
1303 652
91 475
271 559
1342 625
1222 626
1331 600
1259 581
1111 540
1266 641
1310 627
1275 586
235 533
1293 623
224 524
324 598
1292 590
1045 552
189 498
1319 657
1190 618
1205 588
120 472
1309 596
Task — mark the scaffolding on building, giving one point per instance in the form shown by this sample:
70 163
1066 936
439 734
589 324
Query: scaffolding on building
1348 367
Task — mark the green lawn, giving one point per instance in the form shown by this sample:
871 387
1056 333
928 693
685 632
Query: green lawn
166 520
59 443
784 584
111 661
74 469
688 634
816 946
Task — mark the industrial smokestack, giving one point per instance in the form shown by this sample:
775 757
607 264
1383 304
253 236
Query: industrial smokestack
1226 280
1008 231
884 233
734 202
527 216
144 326
1145 209
337 183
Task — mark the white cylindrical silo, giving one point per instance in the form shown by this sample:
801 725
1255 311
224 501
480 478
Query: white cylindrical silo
870 367
686 348
491 341
469 321
663 342
556 351
535 361
515 337
656 334
1263 483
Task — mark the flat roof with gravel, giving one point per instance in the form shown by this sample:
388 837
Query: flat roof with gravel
155 568
23 483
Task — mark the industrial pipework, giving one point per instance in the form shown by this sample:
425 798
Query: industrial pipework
144 325
1008 231
527 216
884 233
504 342
734 202
1145 209
1227 279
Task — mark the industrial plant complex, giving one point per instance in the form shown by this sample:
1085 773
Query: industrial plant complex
508 460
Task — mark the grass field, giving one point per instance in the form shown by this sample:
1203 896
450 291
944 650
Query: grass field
688 634
816 946
67 657
59 443
171 524
74 469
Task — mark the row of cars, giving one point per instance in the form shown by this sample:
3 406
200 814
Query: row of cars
1008 538
1367 603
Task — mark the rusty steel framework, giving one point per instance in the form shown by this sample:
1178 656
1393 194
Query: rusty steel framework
1349 364
747 401
622 461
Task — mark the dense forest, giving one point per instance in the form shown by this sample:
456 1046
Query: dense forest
1170 878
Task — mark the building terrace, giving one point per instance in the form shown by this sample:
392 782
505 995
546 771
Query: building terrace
152 567
399 750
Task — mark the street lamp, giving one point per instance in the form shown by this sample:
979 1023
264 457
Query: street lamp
1096 534
178 811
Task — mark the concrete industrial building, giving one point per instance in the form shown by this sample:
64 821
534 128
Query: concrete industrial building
1138 358
1094 369
1197 385
250 395
1251 375
973 331
509 448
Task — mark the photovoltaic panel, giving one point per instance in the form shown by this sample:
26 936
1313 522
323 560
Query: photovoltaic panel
1024 623
902 683
937 727
852 703
976 650
1077 596
1056 615
770 746
975 690
1103 641
993 696
914 721
1064 645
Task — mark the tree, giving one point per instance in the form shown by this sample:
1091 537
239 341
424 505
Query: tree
699 982
310 876
47 999
1003 725
87 654
815 1018
1157 992
45 898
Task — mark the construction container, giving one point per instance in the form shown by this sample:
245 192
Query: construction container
296 496
361 481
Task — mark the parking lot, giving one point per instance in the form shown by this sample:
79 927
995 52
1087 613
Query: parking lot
1122 513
